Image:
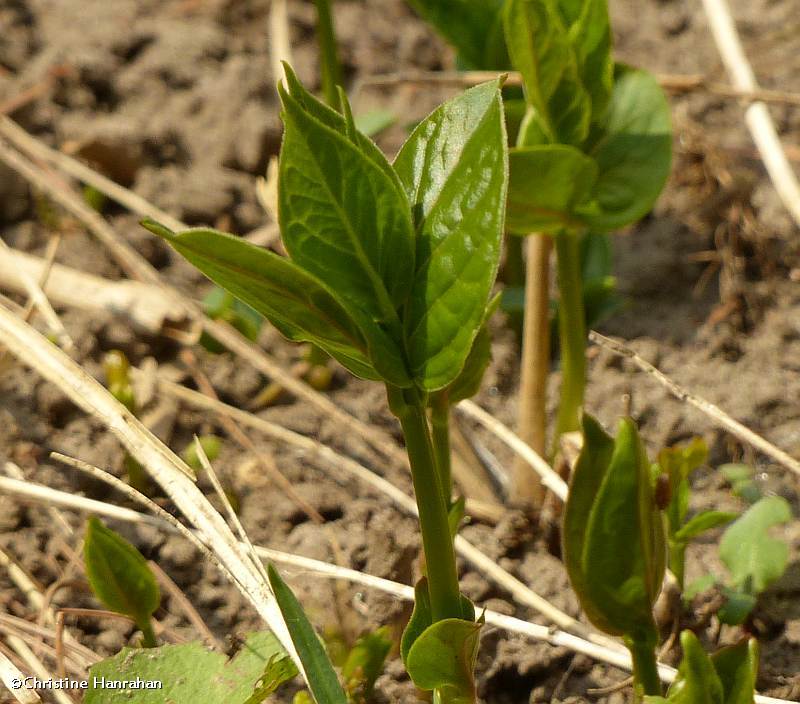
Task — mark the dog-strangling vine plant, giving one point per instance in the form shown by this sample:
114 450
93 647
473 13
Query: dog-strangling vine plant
390 271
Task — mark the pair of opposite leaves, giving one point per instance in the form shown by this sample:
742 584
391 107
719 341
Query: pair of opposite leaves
391 266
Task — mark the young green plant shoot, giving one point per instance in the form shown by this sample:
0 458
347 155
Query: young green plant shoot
120 578
390 271
614 544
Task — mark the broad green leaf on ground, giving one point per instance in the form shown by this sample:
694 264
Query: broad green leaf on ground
632 150
559 108
756 559
321 677
589 33
546 184
613 533
742 481
295 302
737 607
192 674
119 575
455 172
737 667
343 218
443 658
473 27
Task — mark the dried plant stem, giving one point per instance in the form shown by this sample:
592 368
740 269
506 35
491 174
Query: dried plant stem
138 268
169 471
757 116
717 415
10 675
549 477
527 487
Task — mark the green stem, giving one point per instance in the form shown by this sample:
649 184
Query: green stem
571 333
645 667
440 556
677 561
330 68
148 636
440 425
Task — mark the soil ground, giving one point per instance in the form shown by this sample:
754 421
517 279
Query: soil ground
176 100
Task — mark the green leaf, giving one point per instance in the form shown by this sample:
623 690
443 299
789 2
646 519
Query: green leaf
322 679
443 658
740 477
468 382
737 607
421 618
211 445
589 33
455 515
375 121
455 172
471 26
192 674
559 108
365 663
702 522
697 681
614 544
299 305
632 150
546 185
699 585
737 667
119 575
677 463
342 217
754 558
219 304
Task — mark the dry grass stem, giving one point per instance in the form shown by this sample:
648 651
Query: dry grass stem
168 470
716 414
142 304
10 674
26 282
138 268
757 116
543 471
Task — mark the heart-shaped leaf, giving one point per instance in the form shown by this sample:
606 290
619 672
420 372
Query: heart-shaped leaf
455 172
443 658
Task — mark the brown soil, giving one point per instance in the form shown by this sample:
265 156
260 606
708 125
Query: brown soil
175 99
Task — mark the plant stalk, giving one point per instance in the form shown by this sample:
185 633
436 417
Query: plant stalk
571 334
528 490
677 561
440 556
148 635
440 427
645 667
330 68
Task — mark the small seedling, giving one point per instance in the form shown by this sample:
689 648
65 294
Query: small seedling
120 578
675 464
221 305
726 677
211 445
614 543
390 271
